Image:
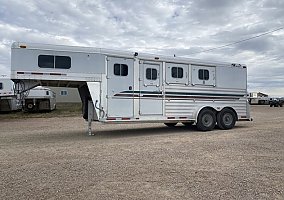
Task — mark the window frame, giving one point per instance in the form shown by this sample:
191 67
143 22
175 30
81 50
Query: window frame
63 93
203 73
178 70
123 69
151 74
66 63
55 62
42 64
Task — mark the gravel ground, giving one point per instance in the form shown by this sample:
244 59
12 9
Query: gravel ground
52 158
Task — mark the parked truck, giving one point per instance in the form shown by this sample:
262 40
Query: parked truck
276 102
131 87
40 99
8 99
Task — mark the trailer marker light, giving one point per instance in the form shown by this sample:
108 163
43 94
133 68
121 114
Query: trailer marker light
125 118
56 74
171 117
110 118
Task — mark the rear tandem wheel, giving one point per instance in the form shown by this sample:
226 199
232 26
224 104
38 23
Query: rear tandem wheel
226 119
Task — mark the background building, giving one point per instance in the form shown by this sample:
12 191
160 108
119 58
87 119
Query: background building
66 95
258 98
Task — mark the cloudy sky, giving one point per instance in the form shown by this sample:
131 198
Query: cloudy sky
181 27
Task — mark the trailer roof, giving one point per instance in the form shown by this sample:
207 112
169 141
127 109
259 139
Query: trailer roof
119 53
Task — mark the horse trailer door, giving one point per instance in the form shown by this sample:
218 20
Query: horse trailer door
120 96
203 75
150 77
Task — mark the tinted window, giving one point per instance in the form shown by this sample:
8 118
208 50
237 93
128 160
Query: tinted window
206 74
46 61
124 70
203 74
120 69
1 86
177 72
154 74
180 72
63 92
200 74
116 69
62 62
151 74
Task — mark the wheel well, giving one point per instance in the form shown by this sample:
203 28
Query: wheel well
207 107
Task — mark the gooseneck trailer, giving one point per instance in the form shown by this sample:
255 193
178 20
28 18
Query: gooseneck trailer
123 87
8 99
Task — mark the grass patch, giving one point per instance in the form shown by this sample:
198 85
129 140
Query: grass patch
62 110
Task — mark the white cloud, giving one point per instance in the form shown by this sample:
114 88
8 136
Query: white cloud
166 27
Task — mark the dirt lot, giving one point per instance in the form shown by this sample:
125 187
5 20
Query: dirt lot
52 158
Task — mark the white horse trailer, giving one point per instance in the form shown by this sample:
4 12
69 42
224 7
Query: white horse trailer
40 99
8 99
120 87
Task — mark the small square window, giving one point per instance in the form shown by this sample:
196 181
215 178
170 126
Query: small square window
120 69
177 72
46 61
62 62
63 93
151 74
203 74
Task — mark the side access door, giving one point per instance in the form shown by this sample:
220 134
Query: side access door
203 75
120 96
150 85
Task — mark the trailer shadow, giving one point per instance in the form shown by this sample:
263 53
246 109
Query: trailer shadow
134 132
163 130
122 132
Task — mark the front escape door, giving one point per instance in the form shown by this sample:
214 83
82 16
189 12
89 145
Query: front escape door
120 96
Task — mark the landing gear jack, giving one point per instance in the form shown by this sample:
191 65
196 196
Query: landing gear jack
90 118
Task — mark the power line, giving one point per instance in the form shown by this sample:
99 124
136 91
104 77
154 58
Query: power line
244 40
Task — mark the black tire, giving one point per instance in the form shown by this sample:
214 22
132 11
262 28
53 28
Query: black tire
226 119
206 120
187 124
170 124
30 106
270 105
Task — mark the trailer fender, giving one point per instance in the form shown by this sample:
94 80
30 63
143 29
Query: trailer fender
201 108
